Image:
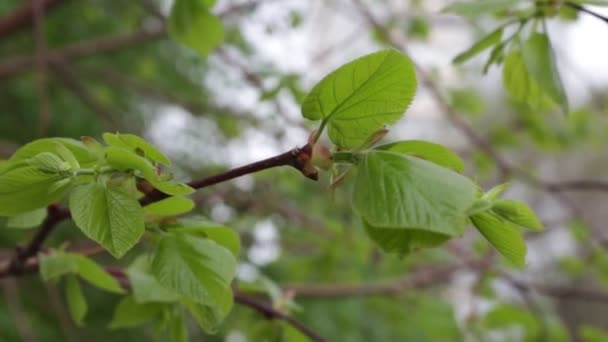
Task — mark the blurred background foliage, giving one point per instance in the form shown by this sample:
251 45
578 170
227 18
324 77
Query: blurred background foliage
114 69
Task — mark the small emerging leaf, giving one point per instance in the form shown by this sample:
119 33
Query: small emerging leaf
503 235
77 304
518 213
480 46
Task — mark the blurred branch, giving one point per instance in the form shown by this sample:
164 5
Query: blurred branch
272 313
15 308
16 65
41 79
79 89
581 8
577 185
24 15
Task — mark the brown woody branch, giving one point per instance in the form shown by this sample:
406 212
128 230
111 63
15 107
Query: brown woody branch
24 16
262 307
24 260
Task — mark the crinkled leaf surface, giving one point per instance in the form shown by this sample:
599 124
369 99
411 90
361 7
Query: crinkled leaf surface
362 96
198 269
108 216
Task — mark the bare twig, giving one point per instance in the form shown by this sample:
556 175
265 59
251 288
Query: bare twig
23 260
272 313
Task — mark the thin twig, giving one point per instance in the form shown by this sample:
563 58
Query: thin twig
581 8
272 313
23 260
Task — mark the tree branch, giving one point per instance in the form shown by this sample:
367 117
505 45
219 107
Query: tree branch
24 16
15 65
23 259
581 8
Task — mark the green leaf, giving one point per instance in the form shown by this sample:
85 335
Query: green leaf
171 206
479 8
209 318
481 45
49 163
137 145
28 219
518 213
398 191
362 96
123 159
53 266
432 152
503 235
25 188
96 275
540 63
223 235
108 216
129 313
519 83
480 206
404 241
198 269
84 157
145 286
77 304
495 192
192 24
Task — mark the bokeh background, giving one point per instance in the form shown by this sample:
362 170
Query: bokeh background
115 69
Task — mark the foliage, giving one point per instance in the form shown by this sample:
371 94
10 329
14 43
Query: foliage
407 196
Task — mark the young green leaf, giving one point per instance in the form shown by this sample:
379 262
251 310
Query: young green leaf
138 145
171 206
519 83
362 96
145 286
191 23
84 157
50 163
481 45
540 63
209 318
28 219
479 8
96 275
404 241
77 304
25 188
495 192
54 265
198 269
398 191
123 159
503 235
108 216
518 213
223 235
432 152
129 313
